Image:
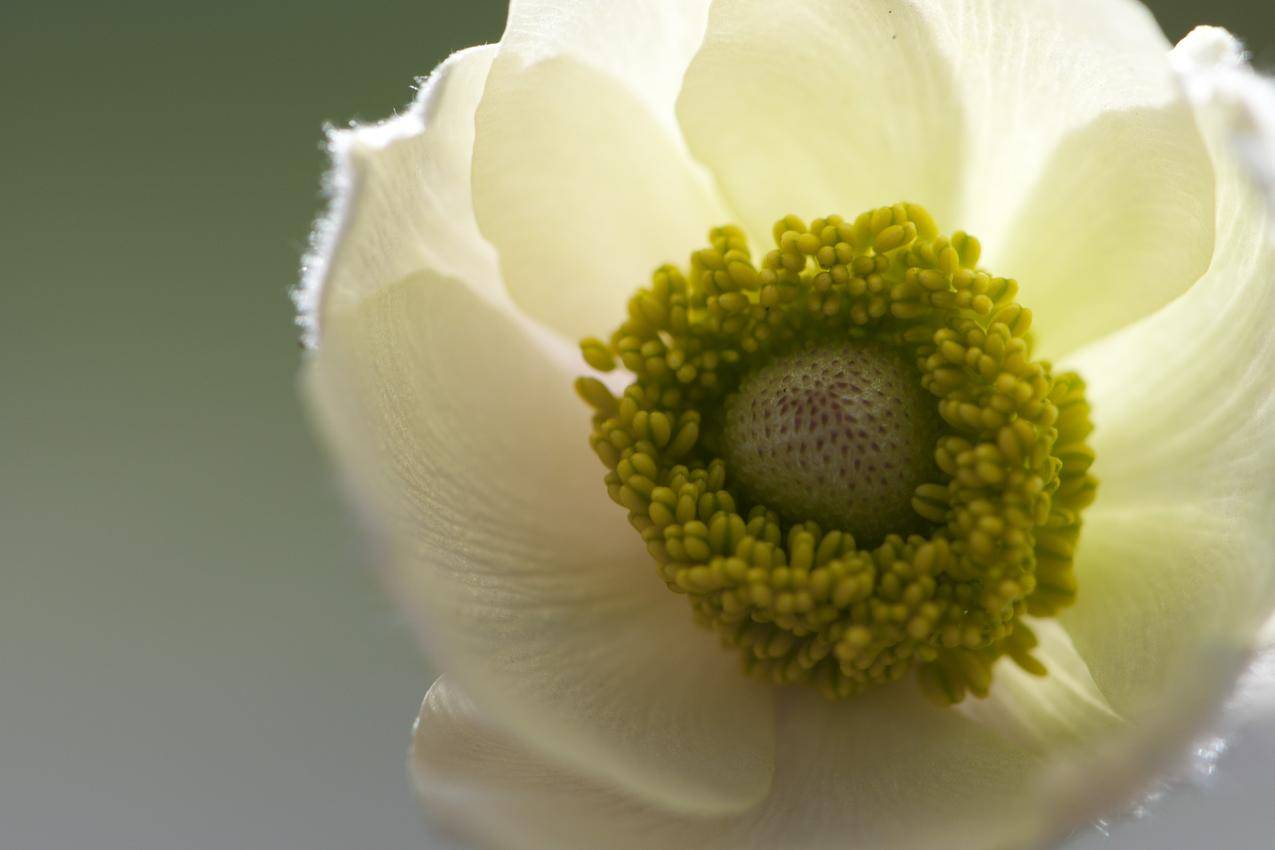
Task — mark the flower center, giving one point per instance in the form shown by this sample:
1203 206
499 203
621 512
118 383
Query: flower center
845 456
841 435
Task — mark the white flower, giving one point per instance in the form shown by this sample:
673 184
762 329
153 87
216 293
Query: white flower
535 183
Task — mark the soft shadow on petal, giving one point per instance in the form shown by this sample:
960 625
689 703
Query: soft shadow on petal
456 422
887 772
1176 552
400 198
581 183
486 790
1120 223
1026 74
823 106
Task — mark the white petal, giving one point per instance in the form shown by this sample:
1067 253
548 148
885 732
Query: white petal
1026 75
401 198
1214 71
643 43
887 772
1086 178
822 106
891 770
487 790
581 180
1120 223
457 423
1176 552
1044 713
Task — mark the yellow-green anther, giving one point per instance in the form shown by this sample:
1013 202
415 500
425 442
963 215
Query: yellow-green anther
844 455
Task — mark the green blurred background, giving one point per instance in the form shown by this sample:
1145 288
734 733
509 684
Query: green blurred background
193 652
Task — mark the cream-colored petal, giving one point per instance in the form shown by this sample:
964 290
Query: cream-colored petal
1086 178
888 772
823 106
400 198
1119 224
1044 713
1176 552
456 421
487 790
1026 75
643 43
391 383
581 179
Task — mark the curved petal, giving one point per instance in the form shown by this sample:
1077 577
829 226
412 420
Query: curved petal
581 181
643 43
401 198
1119 224
887 771
1176 552
486 789
1027 74
1086 178
457 423
1045 713
823 106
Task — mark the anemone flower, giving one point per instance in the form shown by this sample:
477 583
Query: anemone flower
681 299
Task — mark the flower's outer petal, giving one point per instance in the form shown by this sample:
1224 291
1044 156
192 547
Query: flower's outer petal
1027 74
644 43
581 180
1119 224
488 790
823 106
456 422
401 198
888 772
1216 76
1085 176
1176 552
1045 713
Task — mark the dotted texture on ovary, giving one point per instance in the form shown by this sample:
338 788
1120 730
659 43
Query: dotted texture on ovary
841 435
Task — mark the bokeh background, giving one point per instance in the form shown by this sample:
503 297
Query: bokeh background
193 650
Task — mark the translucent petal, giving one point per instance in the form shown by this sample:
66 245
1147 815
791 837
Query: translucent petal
1085 176
1119 224
1044 713
823 106
401 198
581 181
1176 552
456 422
643 43
1026 74
888 772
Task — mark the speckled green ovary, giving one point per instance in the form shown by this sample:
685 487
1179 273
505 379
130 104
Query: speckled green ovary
995 529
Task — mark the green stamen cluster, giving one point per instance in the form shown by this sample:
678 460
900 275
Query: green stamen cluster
994 531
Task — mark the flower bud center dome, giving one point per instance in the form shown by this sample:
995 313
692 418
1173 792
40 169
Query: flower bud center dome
841 435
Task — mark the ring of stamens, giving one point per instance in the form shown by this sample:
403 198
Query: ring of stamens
803 602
